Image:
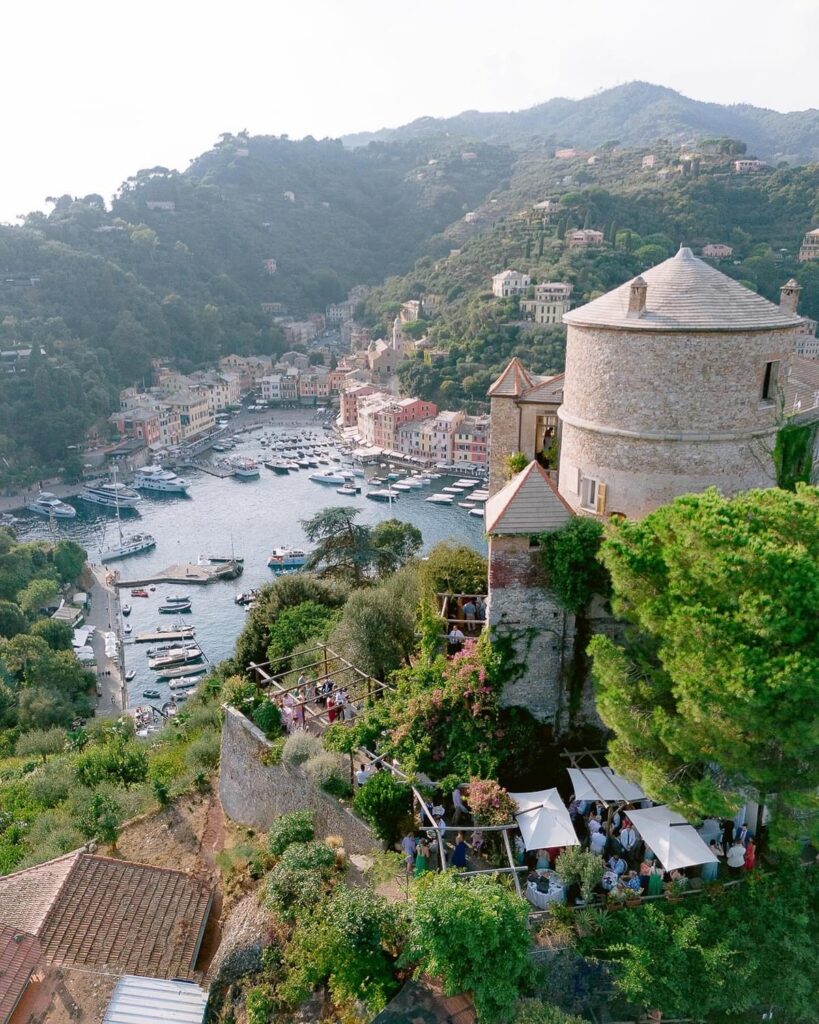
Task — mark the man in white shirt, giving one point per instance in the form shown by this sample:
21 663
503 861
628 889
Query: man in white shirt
461 810
363 774
629 839
597 843
456 639
736 858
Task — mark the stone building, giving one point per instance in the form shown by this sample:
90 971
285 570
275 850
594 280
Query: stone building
671 387
809 250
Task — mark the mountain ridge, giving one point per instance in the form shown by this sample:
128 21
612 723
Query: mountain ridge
635 114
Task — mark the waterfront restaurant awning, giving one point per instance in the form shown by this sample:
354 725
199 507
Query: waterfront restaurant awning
604 784
676 843
543 820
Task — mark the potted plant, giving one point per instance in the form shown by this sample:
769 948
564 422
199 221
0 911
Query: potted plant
674 891
633 898
616 899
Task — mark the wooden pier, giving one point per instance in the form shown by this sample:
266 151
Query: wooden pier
188 573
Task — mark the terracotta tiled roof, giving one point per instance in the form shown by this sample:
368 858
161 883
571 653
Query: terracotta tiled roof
19 956
529 503
100 912
514 380
684 294
26 897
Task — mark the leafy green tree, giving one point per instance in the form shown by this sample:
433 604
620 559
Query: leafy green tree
394 543
712 692
306 621
101 819
385 803
36 595
118 761
58 635
41 743
69 559
471 933
342 547
570 558
295 827
12 620
533 1011
454 569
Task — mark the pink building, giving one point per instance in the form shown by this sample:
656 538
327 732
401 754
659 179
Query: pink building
139 423
349 401
717 251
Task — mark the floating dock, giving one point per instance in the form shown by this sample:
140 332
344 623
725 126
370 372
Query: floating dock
160 636
188 572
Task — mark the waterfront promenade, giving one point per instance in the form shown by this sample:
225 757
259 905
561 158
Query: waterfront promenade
104 616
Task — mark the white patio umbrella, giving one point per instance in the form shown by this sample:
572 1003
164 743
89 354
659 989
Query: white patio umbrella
543 820
676 843
604 784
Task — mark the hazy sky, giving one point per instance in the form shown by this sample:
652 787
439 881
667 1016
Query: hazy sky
92 91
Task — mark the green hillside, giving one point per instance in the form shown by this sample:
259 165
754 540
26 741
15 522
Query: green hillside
636 114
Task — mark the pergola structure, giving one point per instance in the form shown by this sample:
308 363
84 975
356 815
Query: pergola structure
328 666
450 611
596 781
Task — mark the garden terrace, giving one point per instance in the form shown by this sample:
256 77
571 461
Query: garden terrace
327 667
451 611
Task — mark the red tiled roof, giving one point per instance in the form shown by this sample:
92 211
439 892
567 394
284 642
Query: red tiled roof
101 912
19 956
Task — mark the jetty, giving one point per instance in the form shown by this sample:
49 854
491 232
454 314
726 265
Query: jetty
161 635
188 572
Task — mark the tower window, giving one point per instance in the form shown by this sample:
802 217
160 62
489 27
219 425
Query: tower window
588 493
769 381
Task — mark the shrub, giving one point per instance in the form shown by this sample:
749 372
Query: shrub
268 718
576 866
290 892
490 803
324 769
52 784
311 856
41 743
118 761
204 752
296 827
259 1005
299 747
385 804
533 1011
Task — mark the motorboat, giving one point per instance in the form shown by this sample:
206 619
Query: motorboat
163 481
127 629
178 656
130 674
466 504
182 671
329 476
278 466
414 483
128 544
151 694
111 495
154 652
183 683
139 592
178 599
126 610
401 487
348 491
451 490
173 609
476 512
48 504
286 558
177 633
382 495
245 469
440 499
246 598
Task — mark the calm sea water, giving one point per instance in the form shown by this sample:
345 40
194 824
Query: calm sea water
249 517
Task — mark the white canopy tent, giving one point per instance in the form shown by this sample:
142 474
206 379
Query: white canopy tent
676 843
604 784
543 820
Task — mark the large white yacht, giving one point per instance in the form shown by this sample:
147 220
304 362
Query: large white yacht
155 478
48 504
110 495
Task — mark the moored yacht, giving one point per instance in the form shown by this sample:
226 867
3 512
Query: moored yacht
128 544
111 494
155 478
284 559
48 504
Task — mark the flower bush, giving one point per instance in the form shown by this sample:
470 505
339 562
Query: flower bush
490 803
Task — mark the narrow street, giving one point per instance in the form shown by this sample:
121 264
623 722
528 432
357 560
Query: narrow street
104 616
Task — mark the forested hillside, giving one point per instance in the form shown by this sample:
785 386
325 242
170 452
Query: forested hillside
97 293
636 114
645 215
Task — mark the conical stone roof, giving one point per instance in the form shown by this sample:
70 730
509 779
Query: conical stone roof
684 294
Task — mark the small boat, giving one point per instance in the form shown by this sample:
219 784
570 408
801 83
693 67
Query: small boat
285 558
151 694
140 592
382 495
169 708
348 491
126 610
279 466
245 469
181 671
178 656
172 609
476 512
303 463
466 504
414 482
127 629
451 490
401 487
328 477
130 674
48 504
183 683
440 499
246 598
152 587
179 599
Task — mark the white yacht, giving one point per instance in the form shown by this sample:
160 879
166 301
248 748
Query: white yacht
128 544
155 478
111 495
48 504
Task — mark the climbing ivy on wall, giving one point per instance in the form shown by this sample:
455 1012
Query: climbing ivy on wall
570 559
793 454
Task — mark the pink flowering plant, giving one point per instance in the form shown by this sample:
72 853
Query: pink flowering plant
490 803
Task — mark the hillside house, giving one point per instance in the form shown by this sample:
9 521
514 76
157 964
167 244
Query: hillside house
809 250
510 282
748 166
585 237
717 251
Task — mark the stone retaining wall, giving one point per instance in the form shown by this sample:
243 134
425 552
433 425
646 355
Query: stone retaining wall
255 794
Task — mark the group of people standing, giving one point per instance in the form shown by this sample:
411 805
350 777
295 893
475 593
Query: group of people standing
466 618
328 700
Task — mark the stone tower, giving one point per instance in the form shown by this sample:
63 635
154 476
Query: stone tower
671 386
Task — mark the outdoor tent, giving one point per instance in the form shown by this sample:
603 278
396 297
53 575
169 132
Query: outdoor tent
676 843
604 784
543 820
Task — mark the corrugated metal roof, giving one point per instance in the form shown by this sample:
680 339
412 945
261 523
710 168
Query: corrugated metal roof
154 1001
529 503
684 294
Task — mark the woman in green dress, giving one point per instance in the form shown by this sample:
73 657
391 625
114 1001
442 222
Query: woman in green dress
421 859
655 881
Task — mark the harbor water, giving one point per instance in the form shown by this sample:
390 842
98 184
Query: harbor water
225 516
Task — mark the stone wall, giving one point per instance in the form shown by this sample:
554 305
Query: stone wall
504 439
255 794
653 416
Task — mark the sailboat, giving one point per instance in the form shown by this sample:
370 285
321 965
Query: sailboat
129 544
